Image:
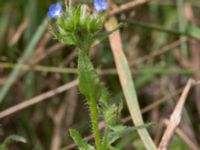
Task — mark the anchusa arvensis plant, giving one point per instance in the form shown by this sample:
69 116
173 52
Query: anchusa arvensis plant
75 25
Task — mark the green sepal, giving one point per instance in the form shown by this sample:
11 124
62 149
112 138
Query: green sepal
66 38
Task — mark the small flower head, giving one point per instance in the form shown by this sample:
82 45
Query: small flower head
55 10
77 26
100 5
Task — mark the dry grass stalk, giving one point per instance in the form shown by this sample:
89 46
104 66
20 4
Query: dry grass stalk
184 137
37 99
175 118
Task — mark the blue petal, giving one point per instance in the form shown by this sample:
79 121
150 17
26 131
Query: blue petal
58 5
50 14
52 7
100 5
55 10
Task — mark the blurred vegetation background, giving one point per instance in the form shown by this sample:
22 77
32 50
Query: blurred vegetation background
161 40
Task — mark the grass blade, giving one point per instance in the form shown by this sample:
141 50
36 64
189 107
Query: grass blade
127 83
26 55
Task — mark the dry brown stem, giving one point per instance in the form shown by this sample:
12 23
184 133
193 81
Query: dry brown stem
37 99
127 6
19 32
175 118
183 136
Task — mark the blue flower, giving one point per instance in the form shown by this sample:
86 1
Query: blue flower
100 5
55 10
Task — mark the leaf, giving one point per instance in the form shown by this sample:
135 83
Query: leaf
103 35
113 148
127 82
79 141
65 39
11 138
193 30
119 131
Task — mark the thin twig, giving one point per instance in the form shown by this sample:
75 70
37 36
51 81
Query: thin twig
64 114
184 137
25 56
127 6
19 32
37 99
159 52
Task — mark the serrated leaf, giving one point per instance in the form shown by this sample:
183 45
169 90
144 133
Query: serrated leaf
82 145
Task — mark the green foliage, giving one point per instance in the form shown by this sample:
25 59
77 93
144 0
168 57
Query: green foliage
178 144
76 26
91 87
193 30
157 29
82 145
89 82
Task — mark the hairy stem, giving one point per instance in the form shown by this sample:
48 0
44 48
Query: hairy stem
94 120
89 86
105 138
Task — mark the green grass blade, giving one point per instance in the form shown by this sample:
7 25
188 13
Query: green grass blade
128 84
26 55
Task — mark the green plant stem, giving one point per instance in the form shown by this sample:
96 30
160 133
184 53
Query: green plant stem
105 138
94 120
89 86
182 24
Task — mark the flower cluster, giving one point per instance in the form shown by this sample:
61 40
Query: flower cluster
76 25
55 10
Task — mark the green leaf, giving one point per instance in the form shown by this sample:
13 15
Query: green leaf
119 131
65 38
193 30
127 84
11 138
82 145
103 35
113 148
